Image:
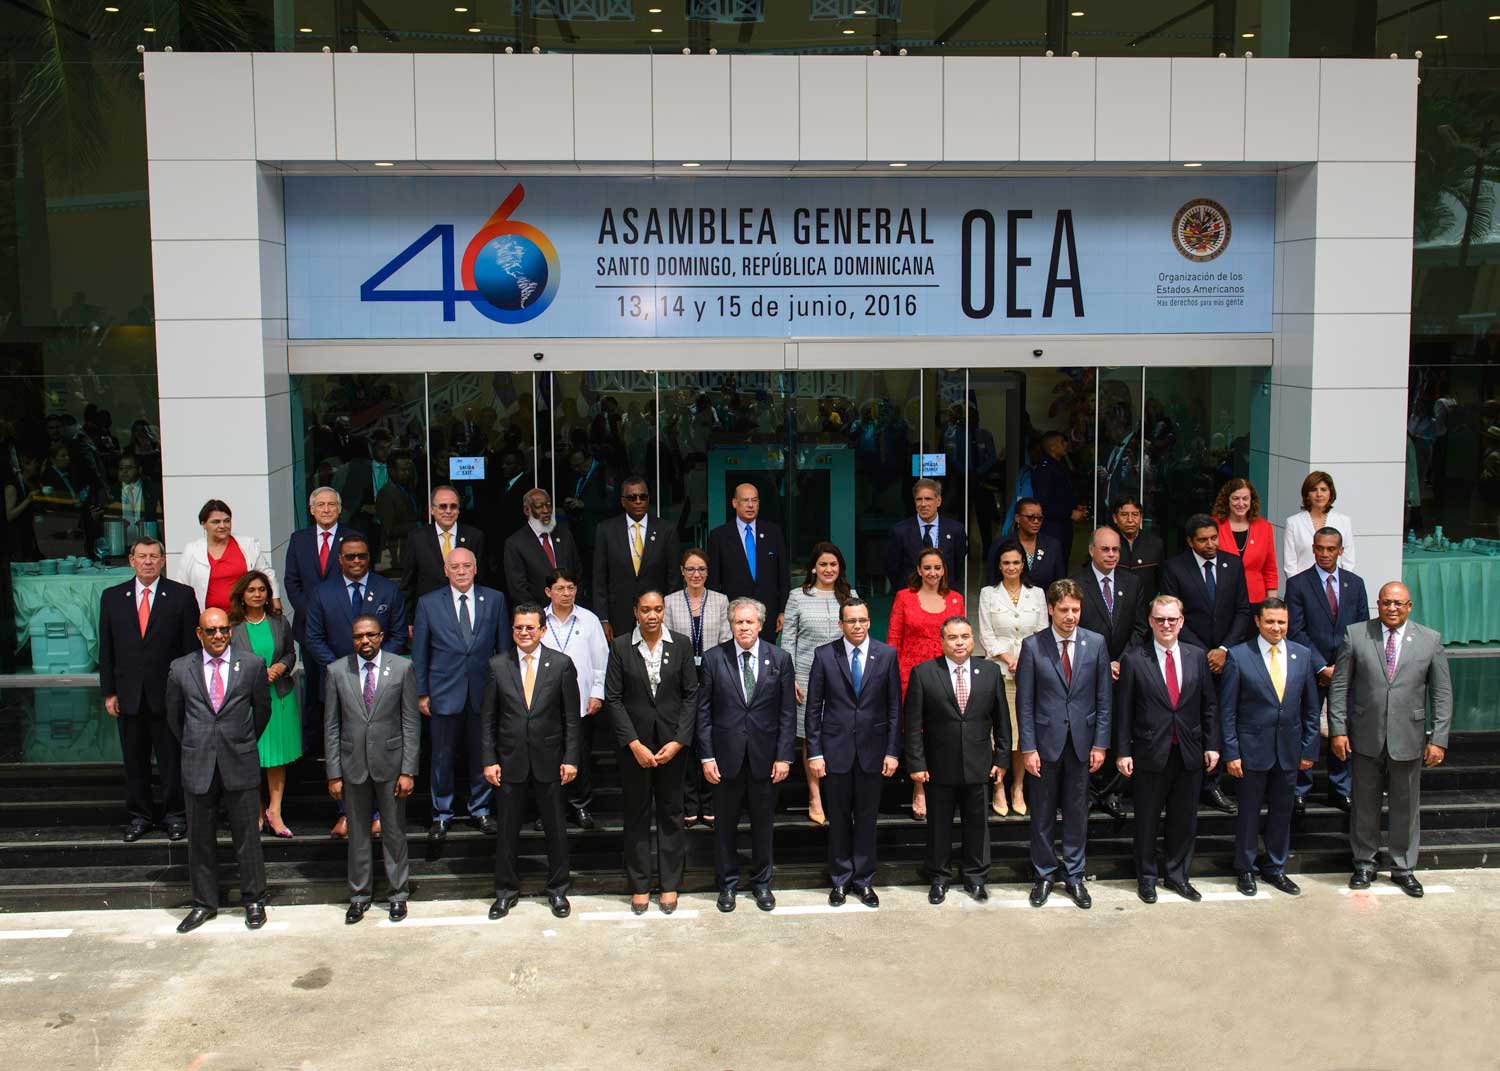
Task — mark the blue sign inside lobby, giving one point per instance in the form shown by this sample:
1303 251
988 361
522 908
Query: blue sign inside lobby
700 257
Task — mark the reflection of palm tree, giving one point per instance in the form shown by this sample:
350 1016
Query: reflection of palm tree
1457 150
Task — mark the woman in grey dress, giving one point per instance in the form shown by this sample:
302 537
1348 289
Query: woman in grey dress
811 619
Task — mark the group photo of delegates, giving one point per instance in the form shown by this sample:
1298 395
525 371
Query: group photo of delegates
1144 675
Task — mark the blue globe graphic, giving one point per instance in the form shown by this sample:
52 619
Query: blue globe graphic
511 272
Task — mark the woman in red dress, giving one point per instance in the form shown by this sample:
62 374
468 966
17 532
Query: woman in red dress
916 626
1243 531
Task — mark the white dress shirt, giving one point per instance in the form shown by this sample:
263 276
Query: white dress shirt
208 670
954 667
581 638
1059 639
937 530
1161 661
651 657
454 593
739 664
363 662
1282 655
155 588
864 654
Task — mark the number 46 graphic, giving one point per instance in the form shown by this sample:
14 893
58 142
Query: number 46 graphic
510 269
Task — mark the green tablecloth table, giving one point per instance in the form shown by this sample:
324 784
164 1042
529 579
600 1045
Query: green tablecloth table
75 595
1455 592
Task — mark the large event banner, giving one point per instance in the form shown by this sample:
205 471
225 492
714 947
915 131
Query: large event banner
701 256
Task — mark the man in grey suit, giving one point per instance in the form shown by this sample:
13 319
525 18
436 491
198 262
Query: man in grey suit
1063 694
1385 676
218 704
372 737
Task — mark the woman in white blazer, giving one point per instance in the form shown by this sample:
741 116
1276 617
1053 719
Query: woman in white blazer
211 565
1318 495
1009 612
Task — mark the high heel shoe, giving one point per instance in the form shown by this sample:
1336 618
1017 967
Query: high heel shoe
638 907
668 906
817 818
998 805
284 832
1018 804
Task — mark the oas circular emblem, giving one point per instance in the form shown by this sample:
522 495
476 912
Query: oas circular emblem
1200 230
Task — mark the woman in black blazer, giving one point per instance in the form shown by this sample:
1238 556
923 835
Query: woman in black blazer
259 629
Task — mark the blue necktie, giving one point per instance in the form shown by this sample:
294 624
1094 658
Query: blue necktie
927 540
856 672
1208 579
750 549
356 602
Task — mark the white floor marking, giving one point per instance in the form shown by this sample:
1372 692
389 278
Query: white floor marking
28 935
227 926
1392 890
627 916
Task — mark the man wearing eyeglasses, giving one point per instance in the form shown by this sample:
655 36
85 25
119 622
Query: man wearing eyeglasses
633 552
1166 738
428 547
218 704
1387 674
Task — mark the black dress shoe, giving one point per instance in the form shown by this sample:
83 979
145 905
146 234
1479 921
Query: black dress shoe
867 896
1040 891
355 913
1299 807
486 824
1282 882
195 918
1216 799
1408 884
978 892
398 910
1361 878
1111 805
1079 893
582 818
1145 888
558 902
501 907
177 831
763 898
1339 800
725 903
135 830
1245 883
1184 889
836 896
255 916
438 830
937 892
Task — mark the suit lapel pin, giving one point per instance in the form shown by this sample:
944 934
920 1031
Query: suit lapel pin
546 664
369 598
1040 552
666 657
1294 657
461 539
768 662
653 537
236 667
481 598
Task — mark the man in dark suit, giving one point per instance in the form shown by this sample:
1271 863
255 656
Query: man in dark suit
1063 702
1052 486
1269 709
363 478
218 704
747 557
853 741
910 535
1215 610
1166 736
651 694
312 556
633 552
535 549
1114 606
957 741
144 625
458 629
747 726
1141 552
372 701
1322 602
428 546
1045 560
530 712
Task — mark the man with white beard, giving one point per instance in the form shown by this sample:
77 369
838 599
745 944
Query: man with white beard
535 550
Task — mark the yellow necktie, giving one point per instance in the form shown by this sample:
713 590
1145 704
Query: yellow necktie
528 679
636 550
1278 672
447 544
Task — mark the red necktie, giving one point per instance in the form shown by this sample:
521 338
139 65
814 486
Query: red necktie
1172 692
323 553
1067 664
143 612
1333 600
547 546
961 689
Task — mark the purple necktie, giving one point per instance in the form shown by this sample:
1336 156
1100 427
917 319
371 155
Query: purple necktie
1333 600
216 686
1109 595
1390 655
369 687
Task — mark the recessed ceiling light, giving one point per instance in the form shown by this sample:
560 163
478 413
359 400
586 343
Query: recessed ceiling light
848 31
1077 14
692 165
1440 37
384 163
1192 165
656 29
897 165
653 11
1493 18
1247 36
861 11
474 29
111 10
304 29
460 10
149 29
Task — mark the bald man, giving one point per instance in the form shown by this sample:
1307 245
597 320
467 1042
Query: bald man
747 557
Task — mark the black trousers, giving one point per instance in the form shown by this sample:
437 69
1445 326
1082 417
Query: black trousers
141 734
641 788
312 700
1176 788
851 802
1276 788
510 800
729 797
581 788
1063 783
697 794
243 809
972 802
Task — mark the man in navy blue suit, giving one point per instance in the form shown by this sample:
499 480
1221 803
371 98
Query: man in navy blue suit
1322 602
1268 706
747 726
911 535
312 556
853 726
1052 486
459 628
1063 695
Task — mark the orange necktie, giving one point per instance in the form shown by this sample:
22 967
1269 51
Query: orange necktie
143 612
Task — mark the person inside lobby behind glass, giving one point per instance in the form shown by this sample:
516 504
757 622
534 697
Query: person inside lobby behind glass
1052 486
398 505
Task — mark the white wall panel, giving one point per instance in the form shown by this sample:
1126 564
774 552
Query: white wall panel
1134 114
984 120
1281 110
1208 109
1363 274
1367 110
204 199
533 107
1365 200
764 96
1343 425
690 108
833 108
611 107
294 106
455 102
207 280
904 116
199 106
233 350
1368 350
374 106
1057 108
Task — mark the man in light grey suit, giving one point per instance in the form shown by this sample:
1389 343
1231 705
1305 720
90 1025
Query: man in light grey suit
1386 674
372 737
218 703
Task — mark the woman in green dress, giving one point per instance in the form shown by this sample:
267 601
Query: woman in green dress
259 629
